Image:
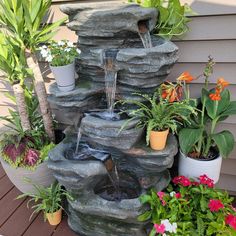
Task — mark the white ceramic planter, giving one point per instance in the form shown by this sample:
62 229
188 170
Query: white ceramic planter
40 176
65 76
193 168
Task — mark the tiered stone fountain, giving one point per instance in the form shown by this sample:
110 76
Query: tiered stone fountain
108 169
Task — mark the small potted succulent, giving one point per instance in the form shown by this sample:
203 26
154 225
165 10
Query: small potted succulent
61 57
202 147
48 200
189 207
159 115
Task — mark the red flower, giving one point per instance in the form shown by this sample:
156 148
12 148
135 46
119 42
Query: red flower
194 183
231 221
204 179
160 229
161 195
182 180
178 195
215 205
185 182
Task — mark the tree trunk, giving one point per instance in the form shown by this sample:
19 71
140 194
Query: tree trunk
21 106
40 90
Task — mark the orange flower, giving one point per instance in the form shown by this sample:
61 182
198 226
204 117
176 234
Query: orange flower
222 83
185 76
171 92
215 96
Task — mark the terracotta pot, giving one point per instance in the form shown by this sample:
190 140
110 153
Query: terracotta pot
193 168
54 218
20 177
158 139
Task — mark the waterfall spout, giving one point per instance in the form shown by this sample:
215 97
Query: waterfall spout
144 34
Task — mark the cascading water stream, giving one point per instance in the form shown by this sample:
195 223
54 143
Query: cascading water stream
144 34
109 58
79 135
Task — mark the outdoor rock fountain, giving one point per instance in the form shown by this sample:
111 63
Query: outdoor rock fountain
107 169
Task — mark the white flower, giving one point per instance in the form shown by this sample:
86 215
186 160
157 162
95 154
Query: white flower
49 58
172 194
61 43
44 53
78 51
44 47
172 228
70 44
67 49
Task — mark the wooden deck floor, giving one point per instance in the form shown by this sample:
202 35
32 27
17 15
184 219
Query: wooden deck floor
14 215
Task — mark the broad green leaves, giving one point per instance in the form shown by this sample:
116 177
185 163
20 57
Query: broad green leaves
224 141
188 138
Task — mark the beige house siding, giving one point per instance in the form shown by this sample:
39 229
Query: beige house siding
212 32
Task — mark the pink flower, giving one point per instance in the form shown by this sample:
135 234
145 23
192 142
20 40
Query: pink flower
182 180
186 182
161 195
204 179
160 229
178 195
231 221
215 205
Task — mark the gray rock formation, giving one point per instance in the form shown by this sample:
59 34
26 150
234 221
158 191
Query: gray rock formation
106 192
108 133
90 211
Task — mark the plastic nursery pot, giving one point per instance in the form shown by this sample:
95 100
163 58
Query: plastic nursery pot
54 218
64 76
158 139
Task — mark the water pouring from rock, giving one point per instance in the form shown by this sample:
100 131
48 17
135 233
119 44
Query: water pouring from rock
79 134
109 62
144 34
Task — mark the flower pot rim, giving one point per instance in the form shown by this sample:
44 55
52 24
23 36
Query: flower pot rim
49 213
207 159
63 65
160 131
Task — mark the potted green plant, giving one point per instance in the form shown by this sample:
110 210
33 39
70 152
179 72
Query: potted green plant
24 21
202 147
61 57
189 207
159 116
24 153
48 200
172 16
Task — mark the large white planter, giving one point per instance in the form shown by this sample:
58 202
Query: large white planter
193 168
19 176
65 76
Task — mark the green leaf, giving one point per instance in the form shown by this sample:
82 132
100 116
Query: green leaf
231 110
188 138
145 216
224 141
145 198
153 232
